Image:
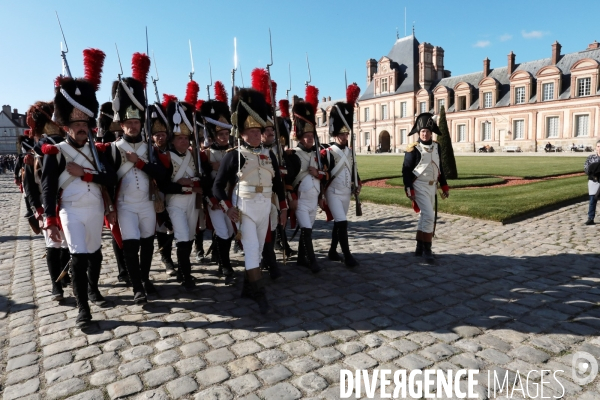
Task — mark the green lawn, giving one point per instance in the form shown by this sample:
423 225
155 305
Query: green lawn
461 182
379 167
497 204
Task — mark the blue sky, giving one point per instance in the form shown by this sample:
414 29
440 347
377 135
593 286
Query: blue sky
337 35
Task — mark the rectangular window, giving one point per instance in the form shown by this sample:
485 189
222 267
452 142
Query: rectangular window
319 121
584 86
384 85
403 137
462 135
581 125
441 103
462 103
552 127
548 89
519 95
367 116
384 111
487 100
519 129
403 109
367 139
486 131
422 107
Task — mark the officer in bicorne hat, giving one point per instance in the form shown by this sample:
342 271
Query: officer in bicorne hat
422 171
71 177
253 174
134 201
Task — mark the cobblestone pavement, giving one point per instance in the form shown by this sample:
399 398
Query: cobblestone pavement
501 298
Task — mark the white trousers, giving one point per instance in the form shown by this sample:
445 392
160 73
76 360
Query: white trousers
425 199
338 201
51 243
136 220
82 224
221 223
184 215
254 225
308 201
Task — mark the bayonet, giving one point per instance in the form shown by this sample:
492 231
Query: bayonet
120 65
211 81
234 67
241 75
287 92
309 75
155 80
148 125
192 59
63 53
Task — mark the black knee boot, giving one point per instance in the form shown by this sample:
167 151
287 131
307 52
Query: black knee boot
94 268
79 267
146 253
301 259
184 251
215 254
343 238
165 248
199 244
53 260
223 247
123 276
309 251
255 289
283 242
131 249
269 259
333 254
427 253
65 258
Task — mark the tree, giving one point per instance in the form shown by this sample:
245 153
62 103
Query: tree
445 141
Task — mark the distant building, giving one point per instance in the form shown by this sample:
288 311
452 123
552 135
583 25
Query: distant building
554 99
12 125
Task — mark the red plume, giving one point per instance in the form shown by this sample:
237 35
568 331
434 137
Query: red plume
140 65
191 92
220 92
284 108
199 104
93 61
352 93
58 81
312 97
274 84
167 98
260 81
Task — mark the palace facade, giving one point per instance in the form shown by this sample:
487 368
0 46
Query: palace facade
525 105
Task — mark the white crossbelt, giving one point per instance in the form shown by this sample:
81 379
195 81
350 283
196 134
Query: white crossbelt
78 157
341 163
126 147
183 164
307 158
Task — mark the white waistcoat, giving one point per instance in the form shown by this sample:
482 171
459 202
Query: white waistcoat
342 170
307 181
135 183
428 168
75 188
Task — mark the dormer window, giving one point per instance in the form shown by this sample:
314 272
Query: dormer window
548 89
441 103
520 95
384 85
584 86
487 100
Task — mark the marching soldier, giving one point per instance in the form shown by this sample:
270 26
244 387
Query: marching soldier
44 130
133 198
164 227
217 123
253 173
304 181
339 158
108 132
73 178
182 187
421 171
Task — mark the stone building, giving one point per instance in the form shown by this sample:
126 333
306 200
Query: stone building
525 105
12 125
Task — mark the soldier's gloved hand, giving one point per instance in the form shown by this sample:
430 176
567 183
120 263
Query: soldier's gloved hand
75 169
131 156
445 195
233 214
313 171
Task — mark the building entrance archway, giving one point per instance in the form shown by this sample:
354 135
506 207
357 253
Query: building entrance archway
384 142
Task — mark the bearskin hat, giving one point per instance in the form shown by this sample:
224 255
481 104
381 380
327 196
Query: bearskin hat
216 117
158 119
128 99
336 123
180 116
75 100
39 119
304 119
284 126
106 121
425 121
249 111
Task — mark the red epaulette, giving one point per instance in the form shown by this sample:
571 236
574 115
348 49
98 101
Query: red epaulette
165 159
101 147
49 149
323 152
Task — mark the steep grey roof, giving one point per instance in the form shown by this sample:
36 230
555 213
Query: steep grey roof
501 75
404 53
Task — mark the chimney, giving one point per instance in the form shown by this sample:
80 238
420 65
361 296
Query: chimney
555 52
324 99
486 67
6 109
593 46
371 69
328 98
511 63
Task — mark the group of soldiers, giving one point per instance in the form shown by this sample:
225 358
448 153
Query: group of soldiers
7 163
169 171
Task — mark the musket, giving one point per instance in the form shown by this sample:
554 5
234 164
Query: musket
287 92
354 168
317 144
196 135
211 82
148 127
234 67
274 107
155 80
63 53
